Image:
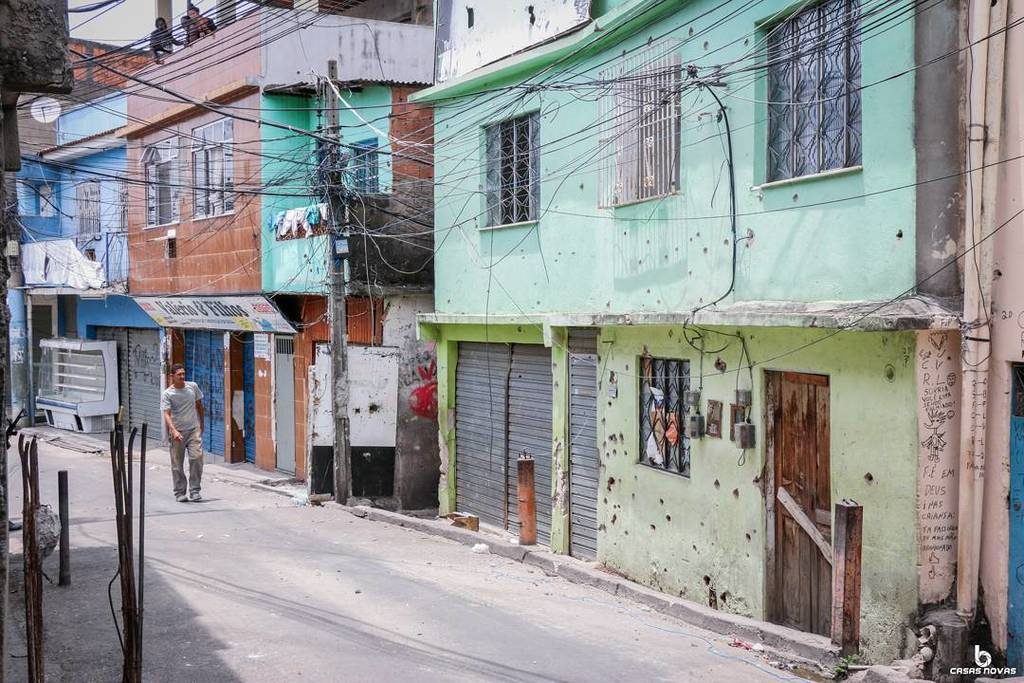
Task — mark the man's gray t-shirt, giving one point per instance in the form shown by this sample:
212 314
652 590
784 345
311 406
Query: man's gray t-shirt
182 403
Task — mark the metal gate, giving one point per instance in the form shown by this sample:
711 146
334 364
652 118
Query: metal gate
119 335
144 380
284 403
529 430
583 456
481 388
204 363
249 394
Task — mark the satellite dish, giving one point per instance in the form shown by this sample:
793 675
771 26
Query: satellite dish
45 110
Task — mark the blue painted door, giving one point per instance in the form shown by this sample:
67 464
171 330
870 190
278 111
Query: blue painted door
1015 608
204 365
249 390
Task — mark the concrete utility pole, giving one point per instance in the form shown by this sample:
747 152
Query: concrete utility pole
338 217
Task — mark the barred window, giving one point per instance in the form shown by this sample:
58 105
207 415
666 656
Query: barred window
814 108
513 171
87 200
663 441
639 145
213 173
364 167
160 169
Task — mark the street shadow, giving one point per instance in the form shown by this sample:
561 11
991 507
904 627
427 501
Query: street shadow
81 643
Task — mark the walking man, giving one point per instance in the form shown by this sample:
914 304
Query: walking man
182 403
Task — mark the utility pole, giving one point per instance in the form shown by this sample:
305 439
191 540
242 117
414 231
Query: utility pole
338 217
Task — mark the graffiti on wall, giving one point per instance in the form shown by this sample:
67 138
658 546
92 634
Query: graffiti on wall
938 419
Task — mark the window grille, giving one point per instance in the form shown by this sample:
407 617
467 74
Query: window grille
160 166
513 170
87 199
663 441
640 119
814 109
363 166
213 175
46 200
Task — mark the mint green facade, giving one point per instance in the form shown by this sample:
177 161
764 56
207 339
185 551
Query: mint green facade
844 236
299 266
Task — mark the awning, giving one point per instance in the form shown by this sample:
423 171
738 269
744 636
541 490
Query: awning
242 313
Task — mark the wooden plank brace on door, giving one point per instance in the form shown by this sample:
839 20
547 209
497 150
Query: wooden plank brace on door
801 518
849 525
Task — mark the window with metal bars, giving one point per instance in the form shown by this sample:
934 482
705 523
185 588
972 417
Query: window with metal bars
364 167
87 199
160 170
663 441
639 145
513 170
213 174
814 104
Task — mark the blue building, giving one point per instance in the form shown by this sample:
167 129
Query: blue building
72 206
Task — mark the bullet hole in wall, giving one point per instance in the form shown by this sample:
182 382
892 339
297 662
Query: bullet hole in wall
997 274
748 536
899 234
796 196
707 580
717 485
614 517
890 373
611 483
668 518
868 477
735 493
720 364
653 528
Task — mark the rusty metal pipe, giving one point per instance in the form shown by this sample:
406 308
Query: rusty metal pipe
527 500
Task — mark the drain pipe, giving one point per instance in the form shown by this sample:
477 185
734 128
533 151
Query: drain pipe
984 122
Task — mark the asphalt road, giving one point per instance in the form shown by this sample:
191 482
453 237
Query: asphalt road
250 586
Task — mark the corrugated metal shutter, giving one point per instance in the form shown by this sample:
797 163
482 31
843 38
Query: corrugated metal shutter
249 394
529 430
481 387
144 385
119 335
204 364
584 461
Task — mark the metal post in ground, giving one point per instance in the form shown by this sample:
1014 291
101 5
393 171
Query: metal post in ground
65 530
527 500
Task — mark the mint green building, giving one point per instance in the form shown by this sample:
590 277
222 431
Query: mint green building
668 218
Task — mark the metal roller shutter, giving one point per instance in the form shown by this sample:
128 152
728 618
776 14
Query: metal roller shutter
204 363
119 335
529 430
144 381
584 461
481 386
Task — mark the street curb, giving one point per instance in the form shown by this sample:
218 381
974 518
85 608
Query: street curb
802 649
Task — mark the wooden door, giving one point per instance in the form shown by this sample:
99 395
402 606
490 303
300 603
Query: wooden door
798 441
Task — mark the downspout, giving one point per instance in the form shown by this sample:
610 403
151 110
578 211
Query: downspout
984 123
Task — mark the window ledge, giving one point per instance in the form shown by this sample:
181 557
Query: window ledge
665 470
635 202
506 226
197 219
161 225
849 170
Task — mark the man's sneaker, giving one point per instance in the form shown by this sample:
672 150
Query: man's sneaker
195 497
181 498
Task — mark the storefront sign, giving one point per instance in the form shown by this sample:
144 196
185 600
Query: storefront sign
261 346
245 313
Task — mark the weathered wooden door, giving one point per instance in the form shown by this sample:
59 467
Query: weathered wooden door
798 438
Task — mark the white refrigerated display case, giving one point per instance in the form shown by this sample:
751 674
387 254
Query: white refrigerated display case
77 384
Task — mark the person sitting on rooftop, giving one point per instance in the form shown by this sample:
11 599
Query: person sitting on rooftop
161 40
199 26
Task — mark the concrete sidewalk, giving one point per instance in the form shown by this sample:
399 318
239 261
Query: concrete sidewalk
249 586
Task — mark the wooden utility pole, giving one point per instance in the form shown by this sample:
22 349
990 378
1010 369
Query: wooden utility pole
337 217
849 523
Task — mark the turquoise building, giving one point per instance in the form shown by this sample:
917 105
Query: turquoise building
691 257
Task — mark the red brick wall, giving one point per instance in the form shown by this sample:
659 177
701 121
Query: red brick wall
88 70
219 255
315 328
412 126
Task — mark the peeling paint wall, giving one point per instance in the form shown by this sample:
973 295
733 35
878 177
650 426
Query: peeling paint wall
706 534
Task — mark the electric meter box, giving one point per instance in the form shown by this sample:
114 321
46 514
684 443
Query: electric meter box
77 384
